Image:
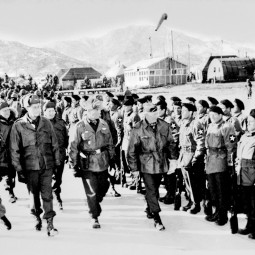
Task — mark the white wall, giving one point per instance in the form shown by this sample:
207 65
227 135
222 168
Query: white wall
215 70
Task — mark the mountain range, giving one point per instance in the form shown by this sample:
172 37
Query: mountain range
124 45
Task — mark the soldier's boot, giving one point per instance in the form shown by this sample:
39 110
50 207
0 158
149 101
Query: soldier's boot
51 231
187 206
247 230
213 217
60 202
12 196
252 228
38 223
95 223
148 212
170 185
6 222
113 192
207 207
195 208
158 223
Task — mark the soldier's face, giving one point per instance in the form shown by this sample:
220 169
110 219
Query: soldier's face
161 112
151 117
186 114
93 114
5 112
200 108
49 113
236 108
224 108
34 110
177 110
251 124
215 117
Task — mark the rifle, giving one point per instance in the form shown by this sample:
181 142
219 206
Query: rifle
233 207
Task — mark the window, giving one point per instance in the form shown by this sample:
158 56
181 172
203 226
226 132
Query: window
152 72
158 72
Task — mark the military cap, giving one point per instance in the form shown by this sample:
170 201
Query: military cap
175 99
59 96
203 103
128 102
135 96
115 101
213 100
38 93
191 99
252 113
120 97
76 97
109 94
3 105
177 103
68 100
142 100
161 98
162 104
227 103
239 103
149 107
85 97
189 106
31 99
49 104
216 109
148 97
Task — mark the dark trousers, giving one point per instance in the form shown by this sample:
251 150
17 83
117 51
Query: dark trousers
57 181
152 183
96 186
218 186
39 183
170 184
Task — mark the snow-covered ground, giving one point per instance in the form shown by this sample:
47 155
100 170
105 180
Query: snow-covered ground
124 228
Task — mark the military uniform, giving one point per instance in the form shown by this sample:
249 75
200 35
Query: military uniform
220 145
91 150
246 178
35 154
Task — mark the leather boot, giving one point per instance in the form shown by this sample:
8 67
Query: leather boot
187 207
95 223
51 231
6 222
195 208
247 230
158 223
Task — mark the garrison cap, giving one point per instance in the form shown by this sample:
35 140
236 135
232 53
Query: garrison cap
227 103
189 106
191 99
203 103
213 100
76 97
109 94
116 102
31 99
216 109
239 103
85 97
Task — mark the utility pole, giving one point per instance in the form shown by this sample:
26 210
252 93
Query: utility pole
150 48
221 57
173 53
189 56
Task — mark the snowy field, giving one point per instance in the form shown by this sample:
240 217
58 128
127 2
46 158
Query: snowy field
125 230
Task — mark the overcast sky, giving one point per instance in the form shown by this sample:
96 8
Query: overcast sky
36 22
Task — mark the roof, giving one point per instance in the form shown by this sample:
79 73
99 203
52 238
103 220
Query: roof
115 71
81 73
204 71
61 72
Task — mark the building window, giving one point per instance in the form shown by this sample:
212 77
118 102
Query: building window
152 72
214 69
158 72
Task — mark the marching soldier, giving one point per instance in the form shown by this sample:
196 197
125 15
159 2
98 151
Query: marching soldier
246 174
149 149
192 138
91 151
61 132
220 145
35 155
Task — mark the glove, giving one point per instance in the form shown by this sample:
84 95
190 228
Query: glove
77 173
22 177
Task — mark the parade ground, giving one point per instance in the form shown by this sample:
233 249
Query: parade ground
125 230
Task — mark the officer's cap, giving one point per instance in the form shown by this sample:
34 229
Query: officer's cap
116 102
109 94
149 107
239 103
189 106
203 103
213 100
68 100
252 113
216 109
191 99
31 99
3 105
49 104
227 103
76 97
175 99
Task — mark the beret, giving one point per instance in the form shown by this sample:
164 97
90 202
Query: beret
109 94
239 103
189 106
191 99
203 103
213 100
216 109
115 101
68 100
252 113
175 99
227 103
76 97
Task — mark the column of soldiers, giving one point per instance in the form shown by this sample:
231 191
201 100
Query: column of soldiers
192 146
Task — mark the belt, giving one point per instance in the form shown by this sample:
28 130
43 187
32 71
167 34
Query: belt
95 152
216 150
247 163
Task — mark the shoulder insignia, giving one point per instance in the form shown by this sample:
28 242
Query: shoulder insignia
200 131
232 138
